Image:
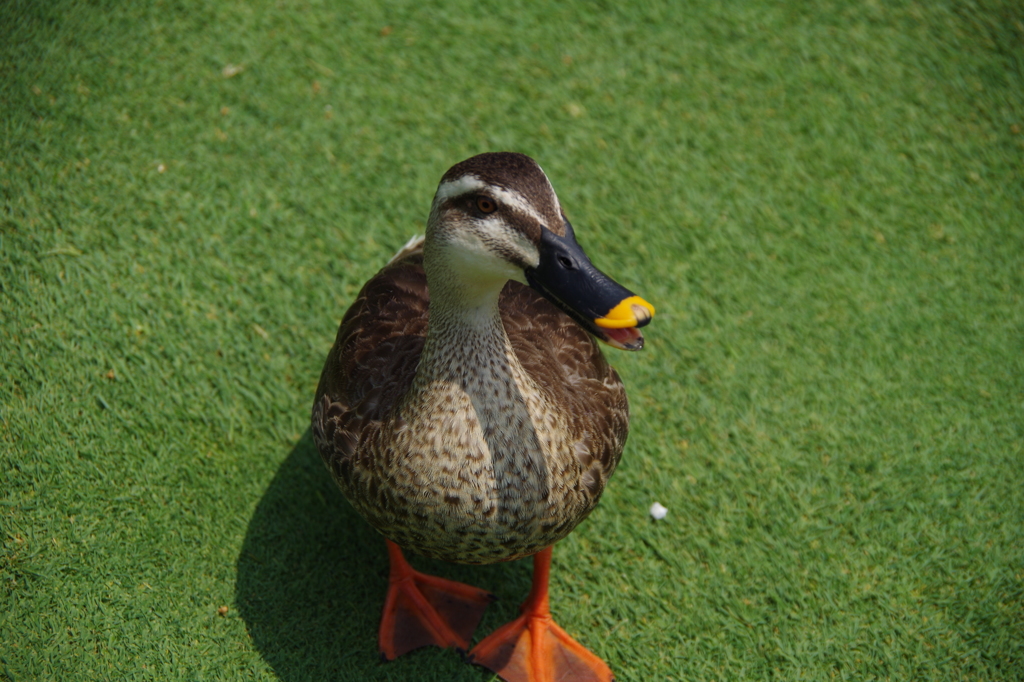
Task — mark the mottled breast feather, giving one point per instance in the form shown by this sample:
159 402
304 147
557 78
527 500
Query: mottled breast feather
372 366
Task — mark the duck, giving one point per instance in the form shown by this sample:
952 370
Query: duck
467 412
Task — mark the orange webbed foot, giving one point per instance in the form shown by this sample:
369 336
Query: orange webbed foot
533 648
422 609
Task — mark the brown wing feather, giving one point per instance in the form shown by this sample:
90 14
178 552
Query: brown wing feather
374 357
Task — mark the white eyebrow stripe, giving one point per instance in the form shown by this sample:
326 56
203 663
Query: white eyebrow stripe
454 188
471 183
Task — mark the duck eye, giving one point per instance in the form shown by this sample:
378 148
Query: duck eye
486 205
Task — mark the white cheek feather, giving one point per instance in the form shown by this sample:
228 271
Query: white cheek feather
472 255
469 253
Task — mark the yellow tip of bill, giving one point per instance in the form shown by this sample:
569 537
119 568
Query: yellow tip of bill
630 312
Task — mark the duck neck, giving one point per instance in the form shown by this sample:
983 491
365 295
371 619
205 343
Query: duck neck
465 334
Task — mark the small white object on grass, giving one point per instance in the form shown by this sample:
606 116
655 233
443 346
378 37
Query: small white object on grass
658 512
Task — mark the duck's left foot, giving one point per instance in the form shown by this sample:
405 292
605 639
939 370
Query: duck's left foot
533 648
422 609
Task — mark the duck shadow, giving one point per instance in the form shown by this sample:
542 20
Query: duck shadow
311 579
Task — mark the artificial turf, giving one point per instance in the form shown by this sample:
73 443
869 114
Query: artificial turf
824 201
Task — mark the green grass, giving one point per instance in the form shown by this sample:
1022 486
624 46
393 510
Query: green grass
824 200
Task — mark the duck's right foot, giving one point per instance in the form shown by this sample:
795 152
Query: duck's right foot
422 609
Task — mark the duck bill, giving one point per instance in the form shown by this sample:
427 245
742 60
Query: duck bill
602 306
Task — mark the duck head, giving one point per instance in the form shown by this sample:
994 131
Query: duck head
496 217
